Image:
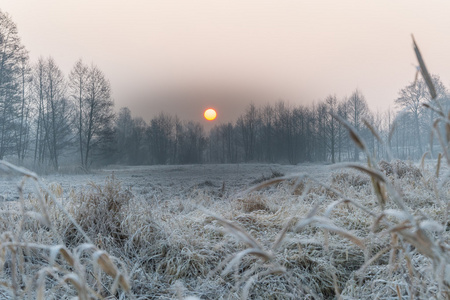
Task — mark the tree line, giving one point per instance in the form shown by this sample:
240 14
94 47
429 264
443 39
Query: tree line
47 117
280 133
44 114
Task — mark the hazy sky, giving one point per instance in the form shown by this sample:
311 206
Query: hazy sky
299 51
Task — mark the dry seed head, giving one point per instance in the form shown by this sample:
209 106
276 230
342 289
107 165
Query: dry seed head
358 141
394 245
371 172
380 192
422 161
431 225
353 134
400 227
105 262
75 280
438 166
64 253
238 257
327 225
344 233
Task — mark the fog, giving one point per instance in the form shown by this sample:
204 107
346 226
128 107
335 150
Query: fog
298 51
94 84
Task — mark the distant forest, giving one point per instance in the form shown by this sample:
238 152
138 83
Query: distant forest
49 119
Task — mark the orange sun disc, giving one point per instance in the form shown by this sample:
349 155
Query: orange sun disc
210 114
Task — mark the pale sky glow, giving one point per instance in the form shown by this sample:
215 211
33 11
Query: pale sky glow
300 51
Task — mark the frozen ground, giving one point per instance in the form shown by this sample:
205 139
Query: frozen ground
162 182
185 229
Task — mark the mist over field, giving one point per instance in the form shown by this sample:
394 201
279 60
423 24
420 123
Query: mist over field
212 186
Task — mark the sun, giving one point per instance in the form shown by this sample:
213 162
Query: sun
210 114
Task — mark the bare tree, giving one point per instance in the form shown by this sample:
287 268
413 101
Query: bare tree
39 85
248 125
267 119
321 131
357 111
215 146
177 139
12 55
53 113
194 143
98 115
57 114
310 134
283 131
124 131
23 130
229 138
343 140
331 128
160 135
411 99
137 141
78 78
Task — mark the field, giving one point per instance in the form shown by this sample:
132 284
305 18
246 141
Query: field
251 231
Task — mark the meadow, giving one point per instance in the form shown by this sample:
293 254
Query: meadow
248 231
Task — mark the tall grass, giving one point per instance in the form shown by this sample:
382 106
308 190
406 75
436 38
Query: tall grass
404 243
35 260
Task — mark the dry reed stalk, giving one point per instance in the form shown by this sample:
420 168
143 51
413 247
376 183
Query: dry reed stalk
422 161
423 70
444 144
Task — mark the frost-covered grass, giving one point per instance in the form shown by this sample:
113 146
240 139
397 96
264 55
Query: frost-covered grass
217 234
